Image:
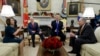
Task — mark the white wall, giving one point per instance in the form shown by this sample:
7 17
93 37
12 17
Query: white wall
55 7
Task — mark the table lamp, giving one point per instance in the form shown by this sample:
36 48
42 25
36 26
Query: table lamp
89 13
7 11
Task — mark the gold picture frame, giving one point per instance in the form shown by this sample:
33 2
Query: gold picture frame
73 9
15 5
44 5
0 5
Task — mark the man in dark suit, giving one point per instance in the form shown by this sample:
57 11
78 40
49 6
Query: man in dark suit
33 29
57 27
85 35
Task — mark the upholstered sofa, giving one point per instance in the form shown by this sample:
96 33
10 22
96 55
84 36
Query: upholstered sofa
8 49
92 49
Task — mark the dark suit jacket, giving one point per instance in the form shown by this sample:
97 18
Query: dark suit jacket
34 27
54 25
87 34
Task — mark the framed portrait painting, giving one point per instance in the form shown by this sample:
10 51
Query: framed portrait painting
15 5
73 9
44 5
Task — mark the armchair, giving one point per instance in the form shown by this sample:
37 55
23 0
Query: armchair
37 37
8 49
64 25
92 49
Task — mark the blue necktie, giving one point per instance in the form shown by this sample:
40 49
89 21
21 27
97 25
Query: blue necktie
57 24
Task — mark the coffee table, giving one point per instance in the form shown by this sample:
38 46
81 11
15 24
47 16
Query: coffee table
60 52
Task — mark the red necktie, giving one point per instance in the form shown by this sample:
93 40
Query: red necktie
33 24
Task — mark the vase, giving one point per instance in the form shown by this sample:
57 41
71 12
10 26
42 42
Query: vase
52 51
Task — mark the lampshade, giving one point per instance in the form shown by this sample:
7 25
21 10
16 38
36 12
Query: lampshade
80 14
88 12
74 0
7 11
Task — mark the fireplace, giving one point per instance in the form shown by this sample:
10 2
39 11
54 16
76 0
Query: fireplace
46 30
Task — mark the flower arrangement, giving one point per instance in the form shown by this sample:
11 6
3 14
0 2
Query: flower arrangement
52 43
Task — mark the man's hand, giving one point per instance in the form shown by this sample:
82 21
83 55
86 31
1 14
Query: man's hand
72 34
97 24
33 31
55 30
40 32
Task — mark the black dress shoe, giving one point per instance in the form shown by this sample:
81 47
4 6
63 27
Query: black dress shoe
71 52
33 45
78 55
63 43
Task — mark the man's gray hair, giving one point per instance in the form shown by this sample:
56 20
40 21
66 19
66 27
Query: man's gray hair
83 19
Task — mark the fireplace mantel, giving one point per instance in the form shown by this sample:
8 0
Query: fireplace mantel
43 20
